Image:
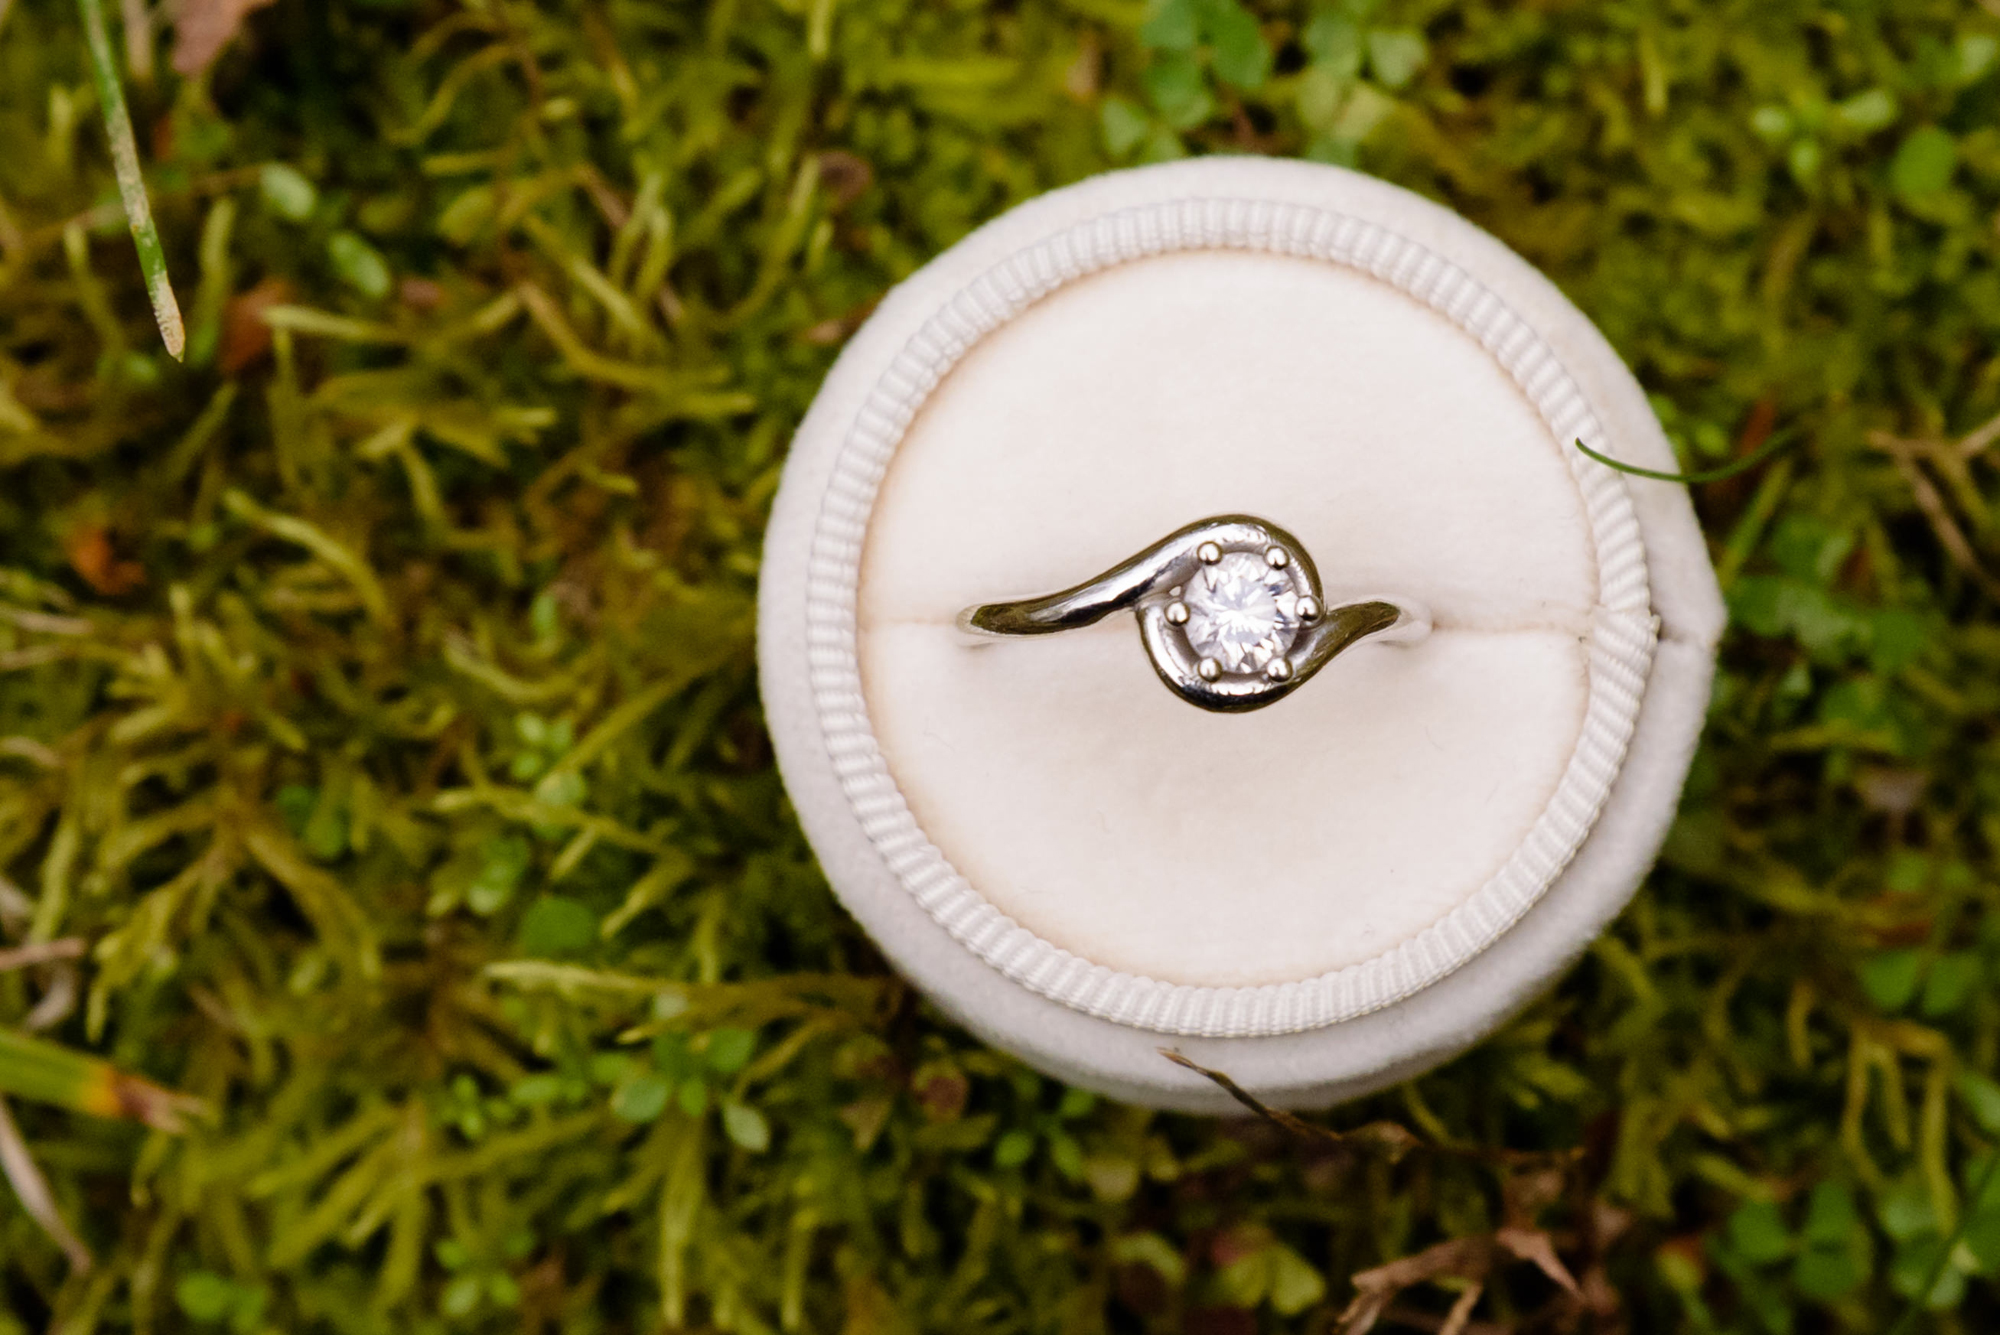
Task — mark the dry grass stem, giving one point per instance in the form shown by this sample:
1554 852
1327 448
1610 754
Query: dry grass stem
33 1191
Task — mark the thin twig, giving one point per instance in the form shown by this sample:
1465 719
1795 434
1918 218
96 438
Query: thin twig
1931 502
1460 1315
131 185
1976 441
1386 1138
33 1189
58 1003
41 952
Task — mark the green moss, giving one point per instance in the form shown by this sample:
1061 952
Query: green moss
376 694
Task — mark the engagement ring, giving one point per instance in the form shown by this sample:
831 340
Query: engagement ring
1229 610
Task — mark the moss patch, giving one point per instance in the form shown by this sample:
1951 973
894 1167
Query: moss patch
376 695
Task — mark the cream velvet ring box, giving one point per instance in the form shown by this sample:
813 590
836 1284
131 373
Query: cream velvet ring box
1332 893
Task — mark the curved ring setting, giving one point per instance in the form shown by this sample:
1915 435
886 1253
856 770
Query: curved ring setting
1229 610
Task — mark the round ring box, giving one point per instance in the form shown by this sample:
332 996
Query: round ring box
1323 897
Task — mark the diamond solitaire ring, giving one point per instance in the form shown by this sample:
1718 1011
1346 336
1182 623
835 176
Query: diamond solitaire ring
1229 609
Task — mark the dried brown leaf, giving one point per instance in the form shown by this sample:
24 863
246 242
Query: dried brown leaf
1535 1247
91 555
245 335
845 176
203 27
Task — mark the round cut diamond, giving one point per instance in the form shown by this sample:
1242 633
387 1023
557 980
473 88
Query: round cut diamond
1241 612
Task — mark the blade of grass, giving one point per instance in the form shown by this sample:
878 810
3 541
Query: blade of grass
131 185
33 1189
34 1068
138 21
1908 1320
1778 440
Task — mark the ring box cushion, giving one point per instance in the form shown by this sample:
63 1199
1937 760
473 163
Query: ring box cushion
1079 864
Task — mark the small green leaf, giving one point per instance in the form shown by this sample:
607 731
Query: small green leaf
205 1296
1239 54
1891 978
1831 1217
1014 1149
1906 1212
1162 145
1364 112
506 862
1321 94
1950 983
746 1127
1171 25
462 219
1773 123
1982 1184
1982 1100
537 1090
1982 1239
1757 1231
642 1099
1396 54
1153 1251
563 788
1974 56
1112 1177
1827 1273
1804 159
1333 150
532 729
1809 548
670 1055
730 1050
1867 112
462 1295
1897 636
295 802
287 192
1123 125
1177 90
1295 1285
1334 43
1066 1155
1924 164
692 1097
555 926
545 616
359 264
1913 1265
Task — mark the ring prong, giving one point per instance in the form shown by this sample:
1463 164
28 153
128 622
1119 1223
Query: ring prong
1278 557
1177 613
1208 553
1279 669
1308 609
1208 669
